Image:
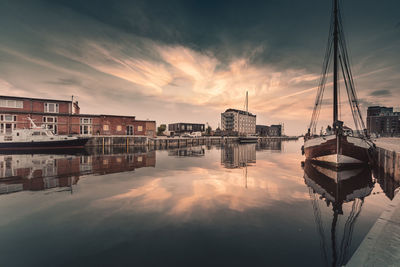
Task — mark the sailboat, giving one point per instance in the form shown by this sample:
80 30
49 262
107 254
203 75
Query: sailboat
248 138
340 146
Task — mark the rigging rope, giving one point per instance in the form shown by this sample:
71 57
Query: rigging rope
347 78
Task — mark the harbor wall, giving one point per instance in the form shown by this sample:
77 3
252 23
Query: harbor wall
388 162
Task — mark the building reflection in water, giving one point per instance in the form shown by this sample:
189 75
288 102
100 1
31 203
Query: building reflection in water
238 156
388 183
271 145
335 189
34 172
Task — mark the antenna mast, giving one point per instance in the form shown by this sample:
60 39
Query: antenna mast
247 102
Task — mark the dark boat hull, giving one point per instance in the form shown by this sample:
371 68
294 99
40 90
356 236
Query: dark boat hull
340 186
337 150
62 144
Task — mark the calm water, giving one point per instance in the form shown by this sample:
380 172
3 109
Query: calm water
242 205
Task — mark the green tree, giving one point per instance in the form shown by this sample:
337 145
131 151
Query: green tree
161 129
208 130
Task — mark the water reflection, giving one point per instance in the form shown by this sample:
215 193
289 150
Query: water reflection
34 172
192 204
187 152
336 188
237 156
273 146
387 182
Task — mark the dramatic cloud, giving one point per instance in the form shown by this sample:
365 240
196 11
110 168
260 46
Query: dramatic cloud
191 60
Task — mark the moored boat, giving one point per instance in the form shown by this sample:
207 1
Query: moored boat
38 138
340 146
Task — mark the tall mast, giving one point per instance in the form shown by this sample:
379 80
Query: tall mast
335 62
247 102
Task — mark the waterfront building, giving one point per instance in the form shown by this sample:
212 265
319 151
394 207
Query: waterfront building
383 121
64 117
238 121
183 127
273 130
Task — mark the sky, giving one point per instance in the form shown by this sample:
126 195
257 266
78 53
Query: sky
189 61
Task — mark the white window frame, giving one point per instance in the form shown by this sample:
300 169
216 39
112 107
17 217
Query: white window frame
86 127
47 107
50 125
4 122
86 121
129 130
10 103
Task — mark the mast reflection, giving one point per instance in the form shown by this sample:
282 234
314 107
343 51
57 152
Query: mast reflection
35 172
336 188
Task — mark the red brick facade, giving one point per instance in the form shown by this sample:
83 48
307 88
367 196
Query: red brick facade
63 117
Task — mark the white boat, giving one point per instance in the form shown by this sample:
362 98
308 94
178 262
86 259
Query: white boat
38 138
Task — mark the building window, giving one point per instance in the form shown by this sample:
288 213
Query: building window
106 127
86 126
50 123
8 117
86 121
51 107
4 103
129 130
7 123
140 128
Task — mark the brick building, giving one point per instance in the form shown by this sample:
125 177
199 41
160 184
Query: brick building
383 121
64 117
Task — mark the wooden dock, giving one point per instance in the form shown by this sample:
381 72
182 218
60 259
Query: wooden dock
170 142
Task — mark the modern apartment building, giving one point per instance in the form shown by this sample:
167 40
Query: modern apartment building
63 117
238 121
383 121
